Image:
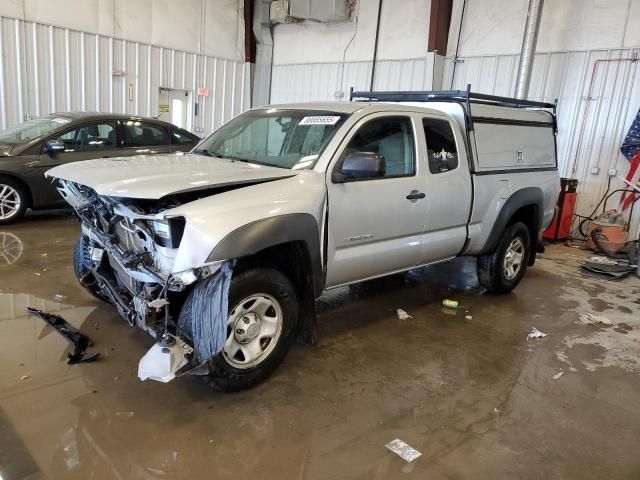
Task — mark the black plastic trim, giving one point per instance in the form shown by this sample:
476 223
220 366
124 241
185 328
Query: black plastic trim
521 198
516 170
269 232
508 121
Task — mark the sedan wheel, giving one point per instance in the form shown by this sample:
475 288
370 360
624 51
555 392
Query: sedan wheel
10 202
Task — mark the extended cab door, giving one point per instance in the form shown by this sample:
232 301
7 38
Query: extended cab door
448 200
376 225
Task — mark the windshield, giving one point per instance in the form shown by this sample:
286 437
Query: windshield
31 129
279 138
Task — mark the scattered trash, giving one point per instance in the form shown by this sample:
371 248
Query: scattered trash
37 274
403 450
603 260
482 291
449 311
468 317
402 315
591 319
44 254
59 297
495 410
125 414
558 375
70 333
24 377
449 303
535 333
210 441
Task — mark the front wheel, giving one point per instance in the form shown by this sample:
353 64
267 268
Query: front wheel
502 270
261 326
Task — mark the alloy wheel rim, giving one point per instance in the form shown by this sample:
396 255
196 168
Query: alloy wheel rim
513 258
253 329
10 202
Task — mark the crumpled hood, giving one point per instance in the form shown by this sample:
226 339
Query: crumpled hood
156 176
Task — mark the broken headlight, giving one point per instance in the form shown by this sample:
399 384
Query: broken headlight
168 233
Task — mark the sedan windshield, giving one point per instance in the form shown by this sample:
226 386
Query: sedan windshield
31 129
291 139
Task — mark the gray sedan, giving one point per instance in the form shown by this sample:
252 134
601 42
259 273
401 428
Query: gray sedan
33 147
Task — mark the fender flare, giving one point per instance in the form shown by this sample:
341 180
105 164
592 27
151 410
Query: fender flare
522 198
270 232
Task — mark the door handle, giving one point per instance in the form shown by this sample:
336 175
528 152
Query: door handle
415 195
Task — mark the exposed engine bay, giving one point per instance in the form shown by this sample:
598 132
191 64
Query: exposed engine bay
127 253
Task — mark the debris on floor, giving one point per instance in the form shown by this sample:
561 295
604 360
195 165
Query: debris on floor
558 375
24 377
449 303
58 297
125 414
403 450
468 317
70 333
611 271
603 260
402 315
591 319
535 333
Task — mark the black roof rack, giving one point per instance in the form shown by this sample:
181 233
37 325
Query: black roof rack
466 96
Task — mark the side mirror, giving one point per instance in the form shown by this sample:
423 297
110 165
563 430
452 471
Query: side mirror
360 166
53 146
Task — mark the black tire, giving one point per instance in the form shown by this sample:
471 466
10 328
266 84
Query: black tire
83 274
223 376
492 272
23 198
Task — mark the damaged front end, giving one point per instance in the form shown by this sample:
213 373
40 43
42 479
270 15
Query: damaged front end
126 256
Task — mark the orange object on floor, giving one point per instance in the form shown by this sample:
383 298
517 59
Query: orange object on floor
610 231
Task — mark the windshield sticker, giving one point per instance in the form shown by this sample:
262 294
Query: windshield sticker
320 120
61 120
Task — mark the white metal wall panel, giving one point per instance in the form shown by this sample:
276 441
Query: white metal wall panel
593 115
45 69
307 82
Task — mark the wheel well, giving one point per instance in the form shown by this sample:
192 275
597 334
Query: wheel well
23 184
529 216
292 259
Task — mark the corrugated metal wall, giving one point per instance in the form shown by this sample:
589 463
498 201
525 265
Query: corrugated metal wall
598 96
320 81
47 69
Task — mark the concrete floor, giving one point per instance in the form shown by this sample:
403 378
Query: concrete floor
474 396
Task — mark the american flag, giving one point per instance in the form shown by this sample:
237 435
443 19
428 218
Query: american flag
631 150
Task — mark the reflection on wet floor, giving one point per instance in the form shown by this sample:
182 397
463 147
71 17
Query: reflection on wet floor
473 396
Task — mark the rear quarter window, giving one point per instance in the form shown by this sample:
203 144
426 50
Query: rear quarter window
441 145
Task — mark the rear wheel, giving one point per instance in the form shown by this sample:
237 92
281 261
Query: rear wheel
81 258
13 200
261 326
502 270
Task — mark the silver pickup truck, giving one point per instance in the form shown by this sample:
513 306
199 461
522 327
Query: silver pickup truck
285 202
